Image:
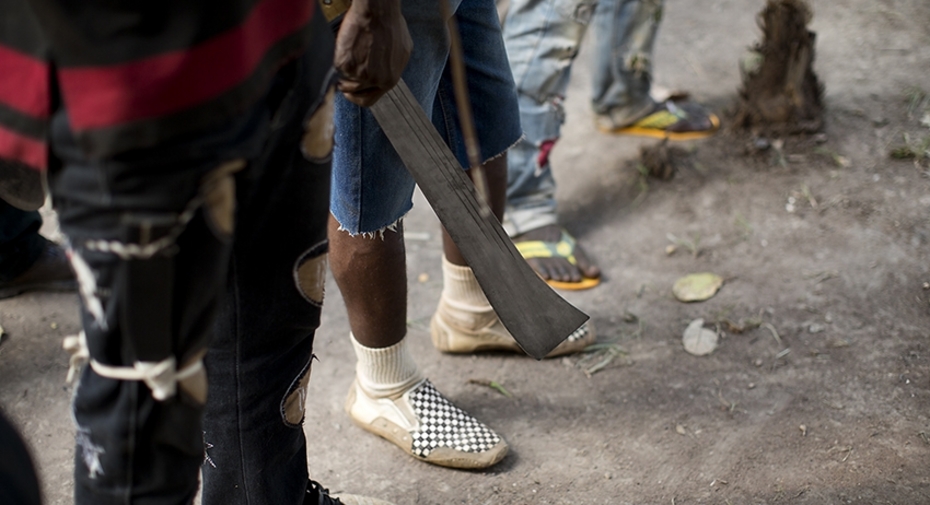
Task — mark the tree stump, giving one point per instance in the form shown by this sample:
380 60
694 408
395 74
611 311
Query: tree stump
781 93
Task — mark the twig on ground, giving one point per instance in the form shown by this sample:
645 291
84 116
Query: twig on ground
771 328
491 384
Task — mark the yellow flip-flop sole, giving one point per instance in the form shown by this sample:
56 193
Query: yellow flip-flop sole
585 283
662 134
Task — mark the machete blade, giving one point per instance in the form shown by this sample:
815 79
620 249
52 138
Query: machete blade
538 318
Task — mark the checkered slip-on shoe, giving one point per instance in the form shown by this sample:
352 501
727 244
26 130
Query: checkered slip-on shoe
318 495
427 426
485 332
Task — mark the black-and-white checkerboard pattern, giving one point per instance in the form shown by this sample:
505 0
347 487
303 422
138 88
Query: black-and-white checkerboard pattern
442 424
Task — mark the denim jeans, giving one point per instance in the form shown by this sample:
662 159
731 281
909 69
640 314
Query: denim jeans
219 240
372 188
542 39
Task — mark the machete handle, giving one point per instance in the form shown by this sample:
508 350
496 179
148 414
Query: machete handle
334 11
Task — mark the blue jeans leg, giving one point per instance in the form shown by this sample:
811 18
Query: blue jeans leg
543 37
624 47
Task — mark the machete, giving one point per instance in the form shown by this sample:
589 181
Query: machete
537 317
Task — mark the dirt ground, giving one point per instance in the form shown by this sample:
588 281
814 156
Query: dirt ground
824 242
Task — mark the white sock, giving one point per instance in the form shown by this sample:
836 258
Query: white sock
460 288
386 371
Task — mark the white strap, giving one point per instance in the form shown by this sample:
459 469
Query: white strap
160 376
76 345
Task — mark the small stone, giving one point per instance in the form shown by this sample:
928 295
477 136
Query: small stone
757 362
816 328
752 385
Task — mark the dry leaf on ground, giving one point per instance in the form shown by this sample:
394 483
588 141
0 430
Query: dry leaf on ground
697 287
698 340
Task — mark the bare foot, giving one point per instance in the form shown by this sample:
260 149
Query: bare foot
557 268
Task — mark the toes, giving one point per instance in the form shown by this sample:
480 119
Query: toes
556 269
570 273
585 265
541 268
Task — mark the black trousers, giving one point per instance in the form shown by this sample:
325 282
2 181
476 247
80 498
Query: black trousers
20 242
213 244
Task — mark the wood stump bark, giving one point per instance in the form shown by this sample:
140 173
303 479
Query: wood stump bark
780 93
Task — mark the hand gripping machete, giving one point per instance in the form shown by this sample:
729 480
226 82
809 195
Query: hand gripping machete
538 318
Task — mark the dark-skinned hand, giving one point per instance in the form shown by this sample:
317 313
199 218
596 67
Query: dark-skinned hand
372 49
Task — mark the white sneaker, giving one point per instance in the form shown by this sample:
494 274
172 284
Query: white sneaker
453 332
427 426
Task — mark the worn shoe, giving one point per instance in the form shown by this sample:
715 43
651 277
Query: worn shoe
673 120
484 332
50 272
318 495
427 426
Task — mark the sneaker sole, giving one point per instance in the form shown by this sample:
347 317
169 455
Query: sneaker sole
441 456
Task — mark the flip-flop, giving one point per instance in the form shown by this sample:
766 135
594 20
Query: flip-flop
672 121
564 248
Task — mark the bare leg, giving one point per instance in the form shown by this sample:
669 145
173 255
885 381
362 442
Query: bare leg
372 275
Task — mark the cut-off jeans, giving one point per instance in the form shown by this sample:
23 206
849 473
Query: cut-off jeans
372 189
